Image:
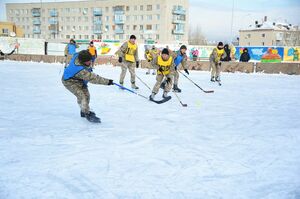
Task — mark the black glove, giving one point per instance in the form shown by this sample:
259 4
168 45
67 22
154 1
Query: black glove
186 71
168 80
149 60
137 63
120 60
66 55
160 69
110 82
220 63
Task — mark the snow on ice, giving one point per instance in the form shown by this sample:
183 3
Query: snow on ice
243 141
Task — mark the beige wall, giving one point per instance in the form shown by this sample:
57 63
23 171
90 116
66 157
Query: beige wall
20 13
11 27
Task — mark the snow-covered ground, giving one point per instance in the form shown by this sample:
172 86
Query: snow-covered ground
243 141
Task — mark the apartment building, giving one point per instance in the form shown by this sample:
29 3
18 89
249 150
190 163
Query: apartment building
152 21
269 33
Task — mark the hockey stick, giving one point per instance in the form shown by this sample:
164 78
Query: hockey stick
143 82
205 91
182 104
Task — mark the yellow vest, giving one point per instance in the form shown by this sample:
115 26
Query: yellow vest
92 50
131 49
165 65
220 52
149 56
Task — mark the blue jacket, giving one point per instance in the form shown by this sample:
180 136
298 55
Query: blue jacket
71 49
72 69
178 60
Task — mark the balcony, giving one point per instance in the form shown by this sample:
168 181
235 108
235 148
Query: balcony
178 21
178 32
179 11
97 31
119 31
119 20
53 13
53 21
36 13
97 12
97 21
37 31
36 22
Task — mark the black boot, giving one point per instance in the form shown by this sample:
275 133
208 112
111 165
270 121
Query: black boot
82 114
212 79
176 89
92 118
165 95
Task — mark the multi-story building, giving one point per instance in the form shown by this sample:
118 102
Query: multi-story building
10 29
270 34
161 21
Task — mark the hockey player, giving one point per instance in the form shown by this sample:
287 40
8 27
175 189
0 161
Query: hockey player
164 64
2 54
179 58
128 56
70 50
76 77
215 57
149 56
93 51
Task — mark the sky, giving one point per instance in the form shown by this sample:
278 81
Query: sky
214 17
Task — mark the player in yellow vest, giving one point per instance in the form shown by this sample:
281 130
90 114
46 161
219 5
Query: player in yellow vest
164 64
92 50
215 62
128 57
149 54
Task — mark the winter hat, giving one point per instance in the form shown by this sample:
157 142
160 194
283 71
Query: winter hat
91 42
84 56
132 37
165 51
220 43
72 40
183 47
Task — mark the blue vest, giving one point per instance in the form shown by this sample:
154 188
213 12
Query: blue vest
71 49
178 59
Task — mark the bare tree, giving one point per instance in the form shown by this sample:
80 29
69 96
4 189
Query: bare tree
196 36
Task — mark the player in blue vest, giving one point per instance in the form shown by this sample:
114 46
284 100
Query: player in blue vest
76 77
70 50
180 58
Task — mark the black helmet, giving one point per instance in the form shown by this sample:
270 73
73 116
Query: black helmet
220 43
84 56
165 51
183 47
132 37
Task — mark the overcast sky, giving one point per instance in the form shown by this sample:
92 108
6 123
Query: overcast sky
214 17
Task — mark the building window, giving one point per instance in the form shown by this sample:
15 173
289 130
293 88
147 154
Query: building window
158 17
127 8
85 11
86 19
142 17
86 37
127 18
121 37
5 31
127 27
141 27
79 18
107 18
134 27
141 8
263 43
106 28
106 9
149 7
67 36
135 8
263 35
68 19
86 28
149 27
79 28
68 27
149 17
157 37
248 36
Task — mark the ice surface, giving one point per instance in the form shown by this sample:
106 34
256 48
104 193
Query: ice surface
243 141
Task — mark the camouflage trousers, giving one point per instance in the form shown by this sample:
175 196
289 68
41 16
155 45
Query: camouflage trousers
215 69
81 92
176 77
159 79
131 67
